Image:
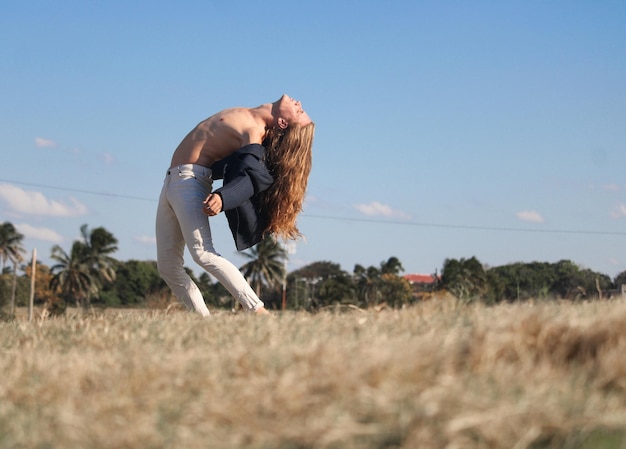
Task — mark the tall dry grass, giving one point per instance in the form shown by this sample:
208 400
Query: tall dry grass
437 375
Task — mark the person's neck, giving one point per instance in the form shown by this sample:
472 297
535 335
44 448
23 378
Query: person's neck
265 113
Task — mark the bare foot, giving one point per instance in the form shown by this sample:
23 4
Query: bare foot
262 311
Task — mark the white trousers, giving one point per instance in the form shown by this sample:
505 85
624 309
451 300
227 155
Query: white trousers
181 222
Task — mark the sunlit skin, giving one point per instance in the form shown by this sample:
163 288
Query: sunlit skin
226 131
223 133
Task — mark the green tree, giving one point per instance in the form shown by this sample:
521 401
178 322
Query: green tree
214 293
395 290
99 245
620 279
134 281
323 269
520 281
375 285
89 265
43 294
566 273
540 280
266 267
337 289
72 277
391 266
465 278
367 283
320 284
572 282
11 250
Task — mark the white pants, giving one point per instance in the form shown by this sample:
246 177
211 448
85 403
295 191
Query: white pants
180 221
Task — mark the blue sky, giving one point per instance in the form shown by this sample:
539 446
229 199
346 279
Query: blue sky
444 129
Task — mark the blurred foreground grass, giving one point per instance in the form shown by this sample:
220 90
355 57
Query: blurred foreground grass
437 375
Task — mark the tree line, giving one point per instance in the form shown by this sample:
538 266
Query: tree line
468 279
89 276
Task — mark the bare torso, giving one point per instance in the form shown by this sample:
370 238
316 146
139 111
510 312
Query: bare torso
220 135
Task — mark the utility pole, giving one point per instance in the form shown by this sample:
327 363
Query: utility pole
290 248
284 302
32 285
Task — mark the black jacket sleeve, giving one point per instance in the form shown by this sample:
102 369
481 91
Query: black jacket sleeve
244 174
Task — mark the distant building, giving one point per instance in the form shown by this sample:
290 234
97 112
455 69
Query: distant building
425 280
423 285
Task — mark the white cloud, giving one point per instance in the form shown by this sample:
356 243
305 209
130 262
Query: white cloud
380 210
619 211
35 203
107 158
45 234
310 199
146 239
530 216
612 187
45 143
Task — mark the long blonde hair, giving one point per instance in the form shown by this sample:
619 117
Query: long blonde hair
289 160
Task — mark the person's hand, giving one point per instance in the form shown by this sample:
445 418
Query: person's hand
212 204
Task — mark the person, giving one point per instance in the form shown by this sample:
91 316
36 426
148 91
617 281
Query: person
263 155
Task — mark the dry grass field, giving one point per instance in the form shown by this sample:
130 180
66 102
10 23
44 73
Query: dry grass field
437 375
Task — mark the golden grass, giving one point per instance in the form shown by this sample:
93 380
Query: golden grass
437 375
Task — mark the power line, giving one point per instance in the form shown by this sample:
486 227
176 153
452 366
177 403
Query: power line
90 192
468 227
358 220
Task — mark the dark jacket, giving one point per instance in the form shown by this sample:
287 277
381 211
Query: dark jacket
245 176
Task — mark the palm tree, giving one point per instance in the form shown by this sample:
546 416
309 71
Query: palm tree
72 276
267 264
367 283
99 244
89 264
11 249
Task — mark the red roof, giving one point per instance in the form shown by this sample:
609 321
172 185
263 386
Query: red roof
420 278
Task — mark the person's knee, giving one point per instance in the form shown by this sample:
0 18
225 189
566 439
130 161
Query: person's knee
171 272
205 258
